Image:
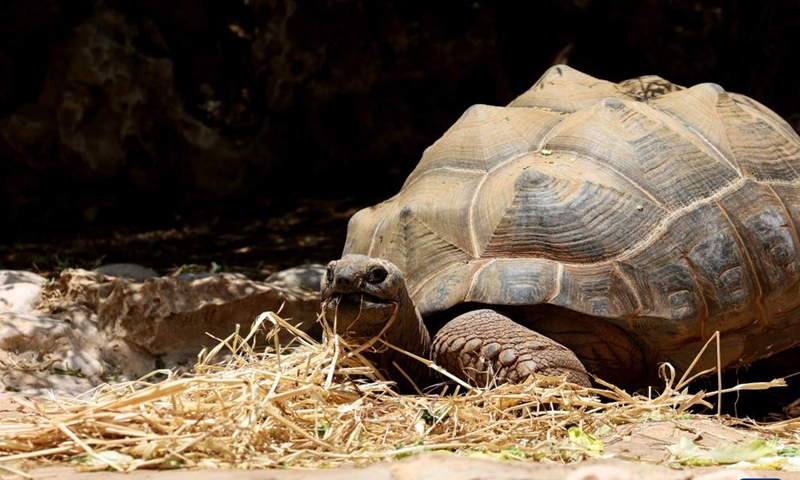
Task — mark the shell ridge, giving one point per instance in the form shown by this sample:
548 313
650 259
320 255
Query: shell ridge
684 143
759 300
757 117
729 161
674 215
476 274
793 231
436 234
559 276
601 161
701 293
733 164
430 171
628 283
473 205
649 195
375 231
777 123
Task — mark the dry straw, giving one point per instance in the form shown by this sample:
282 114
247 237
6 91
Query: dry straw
312 404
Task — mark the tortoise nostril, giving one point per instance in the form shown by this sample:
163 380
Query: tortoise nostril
376 274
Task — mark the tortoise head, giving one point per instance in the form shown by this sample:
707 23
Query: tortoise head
360 294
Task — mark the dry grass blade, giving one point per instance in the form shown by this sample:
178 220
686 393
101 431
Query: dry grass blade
317 404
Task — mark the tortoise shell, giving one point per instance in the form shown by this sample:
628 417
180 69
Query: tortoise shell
669 211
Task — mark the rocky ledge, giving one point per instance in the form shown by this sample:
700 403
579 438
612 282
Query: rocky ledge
122 321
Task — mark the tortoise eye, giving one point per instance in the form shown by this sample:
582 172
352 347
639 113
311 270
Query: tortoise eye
376 274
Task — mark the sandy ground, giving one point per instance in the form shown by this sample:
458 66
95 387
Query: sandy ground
436 466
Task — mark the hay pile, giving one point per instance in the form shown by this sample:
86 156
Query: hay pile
311 404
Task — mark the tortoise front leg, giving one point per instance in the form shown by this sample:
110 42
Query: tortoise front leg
483 342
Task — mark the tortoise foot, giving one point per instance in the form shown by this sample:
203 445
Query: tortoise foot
482 347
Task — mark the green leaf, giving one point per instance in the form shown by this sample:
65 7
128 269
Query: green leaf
515 453
103 459
688 453
583 439
789 452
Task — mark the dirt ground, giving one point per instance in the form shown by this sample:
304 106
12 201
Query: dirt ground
440 467
437 466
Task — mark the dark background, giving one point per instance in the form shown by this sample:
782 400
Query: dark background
245 133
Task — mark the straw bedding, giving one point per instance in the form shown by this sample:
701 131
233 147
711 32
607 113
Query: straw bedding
312 404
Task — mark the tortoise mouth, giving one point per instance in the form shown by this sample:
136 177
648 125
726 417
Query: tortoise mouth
355 300
358 314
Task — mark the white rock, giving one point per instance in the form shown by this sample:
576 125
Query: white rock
8 277
47 355
27 332
19 297
76 360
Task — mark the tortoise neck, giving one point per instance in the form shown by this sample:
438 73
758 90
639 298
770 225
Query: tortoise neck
409 333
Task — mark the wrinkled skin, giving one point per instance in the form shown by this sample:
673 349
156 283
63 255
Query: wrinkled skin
365 299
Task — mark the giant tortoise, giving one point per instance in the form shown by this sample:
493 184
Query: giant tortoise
588 226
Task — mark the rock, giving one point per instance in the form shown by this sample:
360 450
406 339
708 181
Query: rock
21 332
45 383
452 468
39 353
8 277
19 297
46 354
124 323
130 271
188 276
20 291
307 277
175 317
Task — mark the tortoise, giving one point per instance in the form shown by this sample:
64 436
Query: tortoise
587 229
